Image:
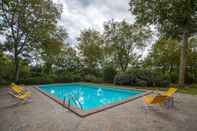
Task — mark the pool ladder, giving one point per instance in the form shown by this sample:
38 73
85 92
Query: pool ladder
75 100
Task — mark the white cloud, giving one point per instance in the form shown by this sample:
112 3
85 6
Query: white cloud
81 14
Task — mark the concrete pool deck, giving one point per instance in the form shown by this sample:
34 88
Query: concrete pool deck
43 114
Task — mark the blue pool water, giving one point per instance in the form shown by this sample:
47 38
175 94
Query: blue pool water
88 96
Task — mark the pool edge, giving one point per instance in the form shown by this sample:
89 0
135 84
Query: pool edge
92 111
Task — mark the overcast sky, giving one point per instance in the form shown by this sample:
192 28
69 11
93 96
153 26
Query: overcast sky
81 14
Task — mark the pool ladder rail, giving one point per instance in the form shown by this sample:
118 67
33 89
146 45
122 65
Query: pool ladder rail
75 100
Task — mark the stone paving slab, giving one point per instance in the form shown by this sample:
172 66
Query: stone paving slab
43 114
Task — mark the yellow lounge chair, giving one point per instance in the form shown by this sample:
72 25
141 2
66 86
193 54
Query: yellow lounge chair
18 89
149 100
25 96
19 92
154 99
169 92
170 96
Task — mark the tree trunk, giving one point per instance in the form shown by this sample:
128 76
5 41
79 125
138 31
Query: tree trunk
16 62
123 67
183 59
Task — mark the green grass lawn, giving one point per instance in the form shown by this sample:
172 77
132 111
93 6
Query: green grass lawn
192 91
187 90
2 86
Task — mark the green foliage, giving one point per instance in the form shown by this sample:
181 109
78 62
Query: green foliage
6 69
49 53
51 78
35 44
91 49
173 18
37 80
123 39
141 77
165 57
165 53
192 61
92 78
108 73
139 84
122 78
26 24
150 77
68 77
68 61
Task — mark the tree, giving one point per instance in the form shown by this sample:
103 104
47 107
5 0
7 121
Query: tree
164 59
109 73
123 39
50 51
163 56
67 60
174 18
64 65
26 24
192 60
91 49
5 68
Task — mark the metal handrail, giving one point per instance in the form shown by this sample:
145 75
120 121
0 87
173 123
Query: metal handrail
75 100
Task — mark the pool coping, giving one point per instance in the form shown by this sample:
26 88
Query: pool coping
82 113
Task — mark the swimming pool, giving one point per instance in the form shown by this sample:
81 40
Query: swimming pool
85 98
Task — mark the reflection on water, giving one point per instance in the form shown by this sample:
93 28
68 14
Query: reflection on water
99 92
81 99
52 91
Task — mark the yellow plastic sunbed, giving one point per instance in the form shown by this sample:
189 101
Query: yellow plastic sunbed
148 100
154 99
17 89
19 92
169 92
21 97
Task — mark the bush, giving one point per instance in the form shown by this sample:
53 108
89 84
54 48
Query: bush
4 82
141 77
138 82
191 77
152 77
63 77
92 78
44 79
122 79
127 79
36 80
68 77
108 73
172 77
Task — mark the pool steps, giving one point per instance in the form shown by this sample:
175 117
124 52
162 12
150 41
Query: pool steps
75 100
